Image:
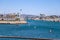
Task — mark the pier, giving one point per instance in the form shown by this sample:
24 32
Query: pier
13 22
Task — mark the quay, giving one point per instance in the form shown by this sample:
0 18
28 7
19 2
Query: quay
13 22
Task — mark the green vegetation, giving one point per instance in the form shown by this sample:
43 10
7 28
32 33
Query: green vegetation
17 19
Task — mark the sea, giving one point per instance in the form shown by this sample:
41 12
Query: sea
32 29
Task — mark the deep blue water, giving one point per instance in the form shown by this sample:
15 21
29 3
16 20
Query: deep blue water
33 29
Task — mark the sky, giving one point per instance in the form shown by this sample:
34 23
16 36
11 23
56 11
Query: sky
33 7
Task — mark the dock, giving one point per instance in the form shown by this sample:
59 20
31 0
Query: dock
13 22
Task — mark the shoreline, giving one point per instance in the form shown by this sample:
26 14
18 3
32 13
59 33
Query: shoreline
53 20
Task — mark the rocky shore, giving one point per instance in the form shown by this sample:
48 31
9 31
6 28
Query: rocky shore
54 20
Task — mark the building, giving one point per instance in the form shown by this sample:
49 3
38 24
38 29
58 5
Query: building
8 16
42 16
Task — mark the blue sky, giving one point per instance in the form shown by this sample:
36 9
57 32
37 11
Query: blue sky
34 7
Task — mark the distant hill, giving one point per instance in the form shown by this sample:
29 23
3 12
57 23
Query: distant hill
29 16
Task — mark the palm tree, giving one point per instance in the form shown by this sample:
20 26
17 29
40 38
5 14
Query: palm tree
2 17
17 17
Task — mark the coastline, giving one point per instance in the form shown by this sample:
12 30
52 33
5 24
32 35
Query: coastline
54 20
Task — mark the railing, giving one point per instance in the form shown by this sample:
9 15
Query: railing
18 37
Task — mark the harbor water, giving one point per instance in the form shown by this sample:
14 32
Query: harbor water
33 29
